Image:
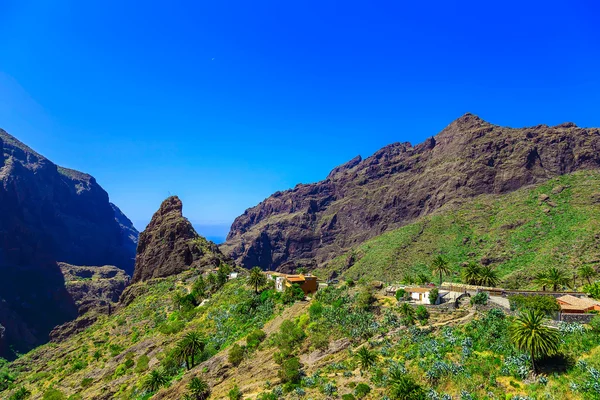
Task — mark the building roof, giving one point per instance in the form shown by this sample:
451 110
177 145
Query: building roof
295 278
569 302
417 290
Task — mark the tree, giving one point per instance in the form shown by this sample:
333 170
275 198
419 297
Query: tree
554 277
488 277
187 348
529 334
471 274
440 266
366 358
403 387
422 314
587 272
593 290
155 380
544 304
408 312
292 293
199 389
257 278
290 370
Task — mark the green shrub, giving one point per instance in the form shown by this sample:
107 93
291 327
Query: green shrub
142 364
433 295
53 394
235 393
85 382
350 282
254 339
236 354
400 294
115 350
171 327
348 396
422 314
593 290
362 390
365 298
20 394
595 324
480 298
315 310
544 304
293 293
290 370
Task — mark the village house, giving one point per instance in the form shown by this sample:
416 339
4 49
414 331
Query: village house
307 282
421 295
575 305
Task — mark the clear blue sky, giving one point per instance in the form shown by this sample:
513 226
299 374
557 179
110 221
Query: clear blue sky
225 102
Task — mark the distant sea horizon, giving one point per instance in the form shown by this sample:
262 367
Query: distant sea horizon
215 232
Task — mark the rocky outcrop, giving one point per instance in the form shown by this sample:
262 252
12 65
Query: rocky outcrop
49 214
170 245
94 290
313 223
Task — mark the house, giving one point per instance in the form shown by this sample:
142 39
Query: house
421 295
575 305
307 282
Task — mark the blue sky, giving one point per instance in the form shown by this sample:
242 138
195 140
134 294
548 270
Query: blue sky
225 102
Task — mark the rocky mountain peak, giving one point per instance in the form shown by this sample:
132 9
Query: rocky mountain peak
170 245
171 205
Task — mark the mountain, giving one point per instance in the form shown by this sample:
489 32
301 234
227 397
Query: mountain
168 246
519 234
49 214
313 223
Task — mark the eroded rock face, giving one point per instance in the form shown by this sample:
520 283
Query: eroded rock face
170 245
363 198
94 291
49 214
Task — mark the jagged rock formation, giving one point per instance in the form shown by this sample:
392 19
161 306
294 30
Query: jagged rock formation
49 214
312 223
94 290
170 245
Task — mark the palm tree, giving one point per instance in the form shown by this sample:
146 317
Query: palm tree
587 272
199 389
488 277
472 274
257 278
555 277
366 358
155 380
403 387
187 348
529 334
408 312
440 266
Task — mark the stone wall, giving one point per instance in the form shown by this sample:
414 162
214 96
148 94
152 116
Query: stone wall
580 318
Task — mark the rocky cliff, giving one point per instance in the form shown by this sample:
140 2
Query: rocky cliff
50 214
312 223
170 245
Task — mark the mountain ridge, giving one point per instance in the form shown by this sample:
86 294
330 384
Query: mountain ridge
312 223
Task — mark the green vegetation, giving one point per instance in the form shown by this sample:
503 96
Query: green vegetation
546 305
516 234
440 266
529 334
257 278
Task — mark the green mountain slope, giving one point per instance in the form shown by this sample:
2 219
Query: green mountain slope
521 233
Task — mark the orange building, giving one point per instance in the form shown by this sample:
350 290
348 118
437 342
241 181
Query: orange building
576 305
307 282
